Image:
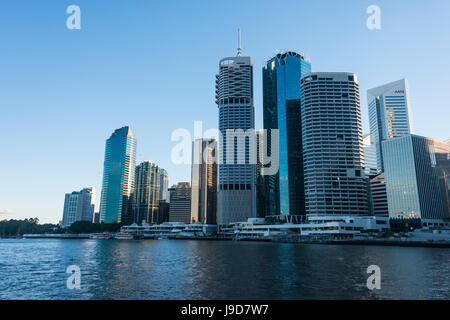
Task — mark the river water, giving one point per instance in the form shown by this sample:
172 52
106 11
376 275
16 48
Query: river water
183 269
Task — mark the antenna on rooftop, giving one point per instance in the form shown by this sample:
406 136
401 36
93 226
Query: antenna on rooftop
239 43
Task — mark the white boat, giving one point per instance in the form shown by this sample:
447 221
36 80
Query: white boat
124 236
103 235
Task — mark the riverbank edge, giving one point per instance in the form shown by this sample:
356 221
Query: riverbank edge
365 242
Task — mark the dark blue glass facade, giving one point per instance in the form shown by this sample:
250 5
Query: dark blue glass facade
284 192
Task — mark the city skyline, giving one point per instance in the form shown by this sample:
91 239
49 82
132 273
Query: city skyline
55 109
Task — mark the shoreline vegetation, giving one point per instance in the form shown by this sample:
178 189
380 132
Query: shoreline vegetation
17 228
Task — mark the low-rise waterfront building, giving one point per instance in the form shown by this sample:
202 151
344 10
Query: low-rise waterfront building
330 226
169 230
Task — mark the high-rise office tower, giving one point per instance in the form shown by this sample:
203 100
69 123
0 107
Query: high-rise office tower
180 203
285 192
146 192
78 206
163 185
389 114
259 177
96 217
163 211
204 181
370 156
116 204
416 169
332 144
234 98
379 196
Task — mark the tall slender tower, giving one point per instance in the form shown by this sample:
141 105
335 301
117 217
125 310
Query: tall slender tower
234 98
163 185
389 114
116 204
281 104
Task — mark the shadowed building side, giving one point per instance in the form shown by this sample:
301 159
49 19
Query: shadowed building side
147 192
204 181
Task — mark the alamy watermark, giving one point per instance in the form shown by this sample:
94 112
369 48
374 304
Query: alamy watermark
374 280
74 280
232 147
74 20
374 20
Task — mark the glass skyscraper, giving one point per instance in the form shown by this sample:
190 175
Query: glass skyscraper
332 144
234 98
116 204
284 191
204 182
389 114
416 171
147 192
370 156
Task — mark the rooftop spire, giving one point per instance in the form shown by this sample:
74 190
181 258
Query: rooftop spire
239 43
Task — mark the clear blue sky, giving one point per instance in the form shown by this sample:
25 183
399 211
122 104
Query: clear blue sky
152 64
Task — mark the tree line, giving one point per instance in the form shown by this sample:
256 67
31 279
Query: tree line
16 228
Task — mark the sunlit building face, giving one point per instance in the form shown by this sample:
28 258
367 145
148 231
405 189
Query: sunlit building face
118 177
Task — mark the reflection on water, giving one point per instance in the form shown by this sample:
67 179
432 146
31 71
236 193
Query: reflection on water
169 269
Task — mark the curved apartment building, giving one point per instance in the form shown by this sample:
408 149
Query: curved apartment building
332 144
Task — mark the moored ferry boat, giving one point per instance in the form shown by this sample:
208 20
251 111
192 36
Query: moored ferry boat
102 235
169 230
124 236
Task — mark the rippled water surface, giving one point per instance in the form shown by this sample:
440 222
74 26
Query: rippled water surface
171 269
